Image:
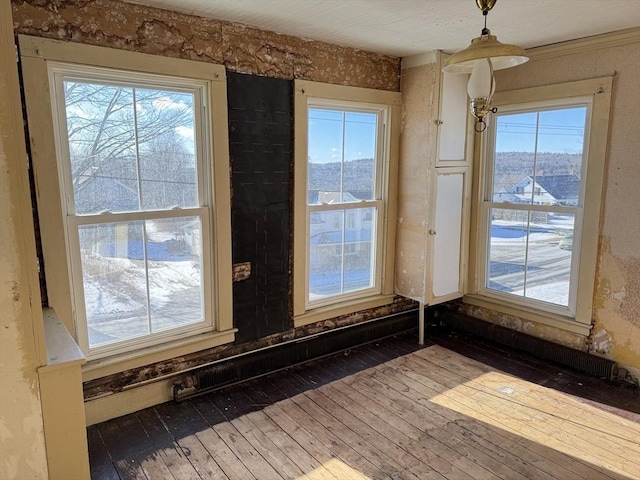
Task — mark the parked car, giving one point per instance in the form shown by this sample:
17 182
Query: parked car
566 243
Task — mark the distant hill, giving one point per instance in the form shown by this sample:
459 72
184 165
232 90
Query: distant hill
358 177
546 163
511 167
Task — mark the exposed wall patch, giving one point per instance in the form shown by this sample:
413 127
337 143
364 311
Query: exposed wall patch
601 343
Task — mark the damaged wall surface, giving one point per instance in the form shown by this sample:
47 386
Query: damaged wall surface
616 305
239 48
262 297
419 92
22 448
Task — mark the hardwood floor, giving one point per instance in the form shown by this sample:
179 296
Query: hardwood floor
388 410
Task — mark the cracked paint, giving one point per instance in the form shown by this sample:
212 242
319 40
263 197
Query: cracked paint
601 343
22 446
617 307
238 47
418 96
616 296
556 335
120 381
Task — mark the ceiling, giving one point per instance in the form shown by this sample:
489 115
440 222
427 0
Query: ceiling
406 27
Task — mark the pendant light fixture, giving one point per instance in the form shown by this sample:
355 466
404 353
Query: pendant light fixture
480 59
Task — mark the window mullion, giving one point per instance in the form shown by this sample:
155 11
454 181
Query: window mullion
137 147
146 276
140 206
526 256
326 207
76 220
525 207
535 157
533 191
344 127
380 154
342 252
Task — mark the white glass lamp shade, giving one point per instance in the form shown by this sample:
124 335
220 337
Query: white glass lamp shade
481 83
501 55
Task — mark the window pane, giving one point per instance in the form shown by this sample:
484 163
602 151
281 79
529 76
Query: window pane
560 145
167 149
325 253
359 255
341 257
530 254
134 287
359 158
114 280
513 168
562 131
324 170
117 150
101 136
549 259
507 250
341 150
538 157
174 253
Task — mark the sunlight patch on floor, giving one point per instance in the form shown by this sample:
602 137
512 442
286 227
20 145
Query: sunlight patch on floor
549 418
333 469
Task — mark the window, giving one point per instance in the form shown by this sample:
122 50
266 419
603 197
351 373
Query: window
344 176
137 207
137 175
537 245
523 258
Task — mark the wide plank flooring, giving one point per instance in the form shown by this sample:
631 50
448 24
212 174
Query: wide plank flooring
389 410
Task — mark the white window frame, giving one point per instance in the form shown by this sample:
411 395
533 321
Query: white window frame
60 72
44 63
386 105
595 94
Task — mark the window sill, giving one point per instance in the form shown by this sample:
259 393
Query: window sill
549 319
62 350
343 308
157 353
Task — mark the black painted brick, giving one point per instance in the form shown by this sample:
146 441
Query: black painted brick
260 148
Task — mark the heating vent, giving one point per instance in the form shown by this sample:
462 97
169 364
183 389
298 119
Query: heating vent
252 365
569 357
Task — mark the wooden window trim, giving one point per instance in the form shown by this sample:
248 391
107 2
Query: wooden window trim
35 53
306 91
600 91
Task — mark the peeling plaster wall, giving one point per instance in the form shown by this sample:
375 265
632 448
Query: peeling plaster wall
563 337
118 382
616 319
22 450
419 92
239 48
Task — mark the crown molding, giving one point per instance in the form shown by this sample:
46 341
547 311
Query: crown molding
580 45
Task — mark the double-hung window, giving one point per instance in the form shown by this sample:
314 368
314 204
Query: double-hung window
344 175
540 199
136 194
136 180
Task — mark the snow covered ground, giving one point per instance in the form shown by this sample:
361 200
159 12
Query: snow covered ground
115 292
535 260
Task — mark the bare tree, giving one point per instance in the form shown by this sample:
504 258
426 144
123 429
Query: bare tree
123 138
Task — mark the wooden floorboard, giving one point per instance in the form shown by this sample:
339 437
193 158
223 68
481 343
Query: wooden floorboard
388 410
618 395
